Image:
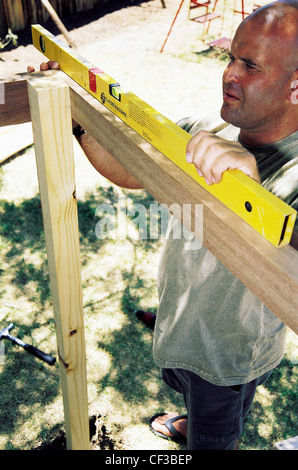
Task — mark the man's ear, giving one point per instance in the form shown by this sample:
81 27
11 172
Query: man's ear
293 95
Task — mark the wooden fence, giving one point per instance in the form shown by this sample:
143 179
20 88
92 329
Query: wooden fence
18 14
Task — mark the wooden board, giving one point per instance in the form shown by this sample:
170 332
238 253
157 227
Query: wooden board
51 115
14 103
14 14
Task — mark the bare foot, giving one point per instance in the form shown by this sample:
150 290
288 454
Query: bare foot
180 425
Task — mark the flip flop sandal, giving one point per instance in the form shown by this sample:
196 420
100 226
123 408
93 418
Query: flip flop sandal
177 436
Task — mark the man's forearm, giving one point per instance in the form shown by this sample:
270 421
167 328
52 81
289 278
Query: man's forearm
106 164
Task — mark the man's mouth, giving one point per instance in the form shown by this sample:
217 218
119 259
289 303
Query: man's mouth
230 97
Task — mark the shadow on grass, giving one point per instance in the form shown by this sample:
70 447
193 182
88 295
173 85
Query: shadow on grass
27 384
277 417
23 248
23 245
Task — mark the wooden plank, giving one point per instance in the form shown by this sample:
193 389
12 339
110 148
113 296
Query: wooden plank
14 139
51 115
14 103
32 11
14 14
3 22
270 273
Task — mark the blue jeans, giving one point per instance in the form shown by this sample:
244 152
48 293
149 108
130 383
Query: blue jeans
215 413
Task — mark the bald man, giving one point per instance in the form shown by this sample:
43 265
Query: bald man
214 341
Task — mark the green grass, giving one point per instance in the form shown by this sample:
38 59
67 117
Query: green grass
118 277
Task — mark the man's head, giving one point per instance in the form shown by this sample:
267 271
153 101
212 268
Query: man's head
260 80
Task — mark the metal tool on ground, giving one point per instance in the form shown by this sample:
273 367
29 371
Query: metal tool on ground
262 210
4 334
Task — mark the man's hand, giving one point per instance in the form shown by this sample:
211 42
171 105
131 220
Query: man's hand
51 64
212 156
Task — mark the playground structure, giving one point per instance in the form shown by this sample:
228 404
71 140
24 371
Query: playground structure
228 13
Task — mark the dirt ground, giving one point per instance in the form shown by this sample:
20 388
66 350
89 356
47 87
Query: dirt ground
124 39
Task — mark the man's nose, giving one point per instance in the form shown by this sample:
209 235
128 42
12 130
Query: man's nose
231 74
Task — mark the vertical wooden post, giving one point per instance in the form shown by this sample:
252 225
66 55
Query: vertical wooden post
51 119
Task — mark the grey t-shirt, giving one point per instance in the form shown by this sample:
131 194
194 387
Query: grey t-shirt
208 322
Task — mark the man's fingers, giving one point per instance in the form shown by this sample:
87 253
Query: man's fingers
193 144
213 153
205 149
44 66
244 162
196 149
212 156
226 162
53 64
50 65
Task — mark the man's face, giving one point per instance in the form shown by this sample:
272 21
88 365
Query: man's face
256 82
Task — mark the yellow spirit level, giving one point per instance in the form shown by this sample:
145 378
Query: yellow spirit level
263 211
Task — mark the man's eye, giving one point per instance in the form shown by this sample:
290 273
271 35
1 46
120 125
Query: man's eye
249 66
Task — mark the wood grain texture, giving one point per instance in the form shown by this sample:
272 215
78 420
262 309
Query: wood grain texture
14 13
52 130
14 104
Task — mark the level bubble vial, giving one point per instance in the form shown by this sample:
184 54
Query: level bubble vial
42 44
